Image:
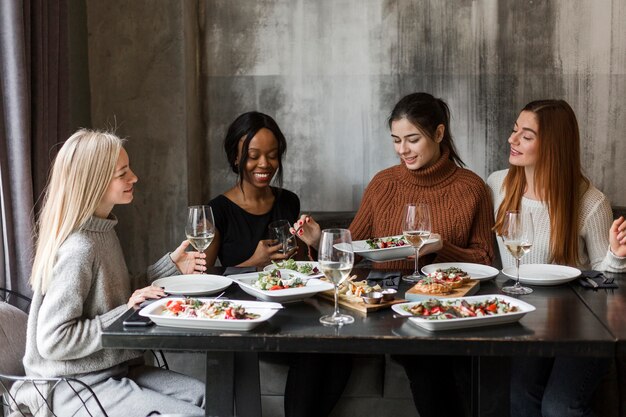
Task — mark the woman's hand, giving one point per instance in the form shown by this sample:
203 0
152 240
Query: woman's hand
617 237
143 294
188 262
307 230
267 251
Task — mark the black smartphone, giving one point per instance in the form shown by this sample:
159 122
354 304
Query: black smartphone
136 320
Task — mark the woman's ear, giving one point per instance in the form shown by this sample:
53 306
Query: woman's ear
441 129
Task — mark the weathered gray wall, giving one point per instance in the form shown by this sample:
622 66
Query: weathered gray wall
331 70
173 75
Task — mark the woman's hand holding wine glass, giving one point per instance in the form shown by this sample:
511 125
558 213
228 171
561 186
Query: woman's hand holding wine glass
200 227
518 235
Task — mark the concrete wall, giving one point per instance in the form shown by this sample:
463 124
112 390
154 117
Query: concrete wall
172 75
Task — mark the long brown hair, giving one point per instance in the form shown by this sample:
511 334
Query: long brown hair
558 178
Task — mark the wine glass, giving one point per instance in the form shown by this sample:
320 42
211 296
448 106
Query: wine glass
279 231
517 235
416 229
336 258
200 227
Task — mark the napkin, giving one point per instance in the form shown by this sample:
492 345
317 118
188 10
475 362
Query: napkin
386 279
597 277
232 270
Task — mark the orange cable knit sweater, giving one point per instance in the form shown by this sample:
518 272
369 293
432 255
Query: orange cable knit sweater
460 206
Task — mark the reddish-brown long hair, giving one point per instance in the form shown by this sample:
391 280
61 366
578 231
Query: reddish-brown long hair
559 180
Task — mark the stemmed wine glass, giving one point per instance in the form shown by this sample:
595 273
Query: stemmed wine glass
336 258
517 235
200 227
416 229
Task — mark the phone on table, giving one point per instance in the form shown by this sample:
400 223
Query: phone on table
136 320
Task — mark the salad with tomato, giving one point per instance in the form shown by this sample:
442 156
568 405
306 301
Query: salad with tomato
274 280
386 242
435 309
219 310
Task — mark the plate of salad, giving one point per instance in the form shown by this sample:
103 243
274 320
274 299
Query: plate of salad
208 313
464 312
310 269
383 249
280 285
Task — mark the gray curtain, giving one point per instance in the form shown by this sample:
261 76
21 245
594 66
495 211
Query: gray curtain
33 118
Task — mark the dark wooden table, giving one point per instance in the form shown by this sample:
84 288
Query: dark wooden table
568 320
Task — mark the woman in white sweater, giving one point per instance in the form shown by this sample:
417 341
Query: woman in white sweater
81 285
573 226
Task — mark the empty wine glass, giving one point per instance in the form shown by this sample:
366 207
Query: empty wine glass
279 231
416 229
336 258
517 235
200 227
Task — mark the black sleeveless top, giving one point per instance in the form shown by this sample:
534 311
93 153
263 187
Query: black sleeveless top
240 231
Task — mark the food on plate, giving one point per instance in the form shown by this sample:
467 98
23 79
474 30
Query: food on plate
306 268
354 290
434 309
430 285
275 280
453 276
217 310
386 242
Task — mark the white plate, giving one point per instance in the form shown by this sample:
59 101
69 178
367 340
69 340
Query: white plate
467 322
361 248
196 284
543 274
476 271
312 287
271 267
266 310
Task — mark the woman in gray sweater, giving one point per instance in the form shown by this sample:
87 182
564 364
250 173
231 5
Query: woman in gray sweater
81 285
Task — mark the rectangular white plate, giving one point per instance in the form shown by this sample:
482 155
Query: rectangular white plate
468 322
312 287
361 248
476 271
266 310
271 267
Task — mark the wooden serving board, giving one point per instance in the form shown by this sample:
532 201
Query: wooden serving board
469 288
358 305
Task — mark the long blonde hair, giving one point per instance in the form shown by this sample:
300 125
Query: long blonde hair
559 179
81 174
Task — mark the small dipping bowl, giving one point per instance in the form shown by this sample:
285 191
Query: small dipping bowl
372 297
389 294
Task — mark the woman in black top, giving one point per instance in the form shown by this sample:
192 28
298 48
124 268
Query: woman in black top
254 147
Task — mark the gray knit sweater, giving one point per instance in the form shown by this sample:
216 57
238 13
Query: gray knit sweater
89 289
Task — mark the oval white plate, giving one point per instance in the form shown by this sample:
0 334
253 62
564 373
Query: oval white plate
265 310
543 274
476 271
361 248
195 284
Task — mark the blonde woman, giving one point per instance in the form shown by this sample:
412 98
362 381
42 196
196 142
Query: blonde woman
573 226
81 285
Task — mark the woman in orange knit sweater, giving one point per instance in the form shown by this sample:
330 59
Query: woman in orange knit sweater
431 172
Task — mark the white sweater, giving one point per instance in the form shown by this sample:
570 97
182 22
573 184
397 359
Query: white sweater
595 221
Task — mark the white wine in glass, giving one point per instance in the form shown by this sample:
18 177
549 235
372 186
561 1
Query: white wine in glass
200 228
336 258
517 235
416 229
